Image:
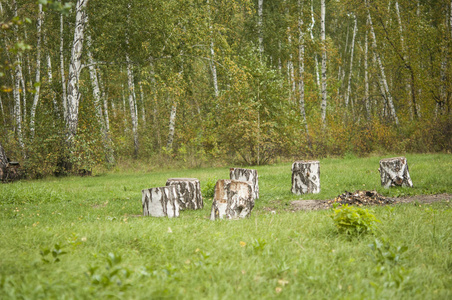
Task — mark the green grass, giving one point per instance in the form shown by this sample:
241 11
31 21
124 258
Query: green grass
287 255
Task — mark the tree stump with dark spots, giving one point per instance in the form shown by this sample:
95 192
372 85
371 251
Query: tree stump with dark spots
188 192
246 175
306 177
233 200
160 202
394 172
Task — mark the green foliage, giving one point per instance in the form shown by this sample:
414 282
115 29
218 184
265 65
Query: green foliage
55 252
354 220
113 275
208 188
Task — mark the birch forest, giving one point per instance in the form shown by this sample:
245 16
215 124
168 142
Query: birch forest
87 83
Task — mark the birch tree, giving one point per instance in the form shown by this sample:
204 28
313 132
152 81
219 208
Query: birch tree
260 31
384 81
63 79
323 41
38 70
73 94
16 89
347 95
301 64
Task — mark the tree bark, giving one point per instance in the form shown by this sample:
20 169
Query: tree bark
248 175
349 88
213 67
188 192
132 105
301 101
260 33
172 125
306 177
317 76
73 97
63 77
394 172
323 41
16 89
366 77
160 202
38 71
232 200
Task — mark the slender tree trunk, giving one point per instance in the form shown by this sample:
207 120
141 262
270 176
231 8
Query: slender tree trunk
16 89
349 88
290 67
132 105
73 97
38 71
366 76
155 111
213 67
63 79
317 76
260 7
143 110
172 124
383 75
105 102
323 40
301 65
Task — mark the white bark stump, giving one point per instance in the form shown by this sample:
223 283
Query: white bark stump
394 172
188 192
306 177
233 199
160 202
246 175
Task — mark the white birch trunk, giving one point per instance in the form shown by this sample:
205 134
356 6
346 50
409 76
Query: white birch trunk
172 124
50 80
38 71
232 200
213 67
323 41
394 172
16 89
382 71
301 101
160 202
306 177
349 88
188 192
260 33
317 76
2 110
143 110
105 103
132 105
73 94
290 67
366 77
63 77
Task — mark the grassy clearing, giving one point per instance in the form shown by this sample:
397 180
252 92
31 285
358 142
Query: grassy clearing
284 255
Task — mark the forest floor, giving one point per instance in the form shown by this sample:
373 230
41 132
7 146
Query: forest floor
417 199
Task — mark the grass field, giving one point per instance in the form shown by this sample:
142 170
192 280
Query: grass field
84 238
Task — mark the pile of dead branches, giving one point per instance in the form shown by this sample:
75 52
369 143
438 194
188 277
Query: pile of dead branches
360 198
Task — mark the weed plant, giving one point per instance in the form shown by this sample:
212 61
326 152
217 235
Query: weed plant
106 249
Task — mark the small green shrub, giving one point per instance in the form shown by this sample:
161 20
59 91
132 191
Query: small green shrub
208 190
354 220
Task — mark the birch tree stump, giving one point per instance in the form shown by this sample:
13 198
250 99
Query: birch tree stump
306 177
394 172
160 202
246 175
233 199
188 192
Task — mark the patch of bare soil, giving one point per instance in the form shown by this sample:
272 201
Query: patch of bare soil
364 198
